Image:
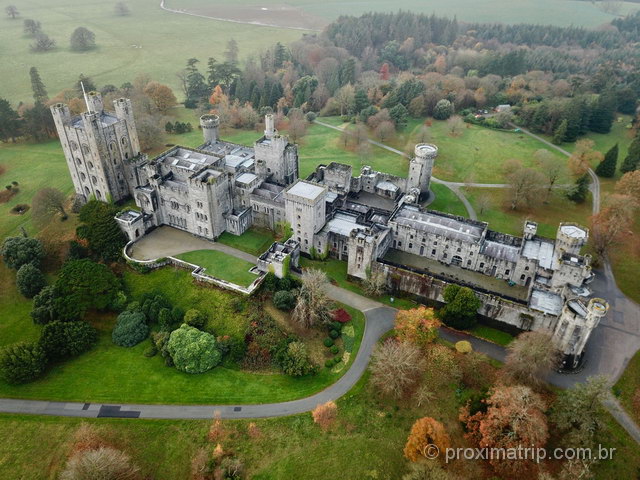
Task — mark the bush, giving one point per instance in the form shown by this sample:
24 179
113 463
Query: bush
151 304
192 350
461 309
328 342
30 280
130 329
341 315
194 318
334 334
44 306
119 303
334 349
296 361
336 326
22 362
18 251
160 340
463 346
284 300
67 339
329 363
103 463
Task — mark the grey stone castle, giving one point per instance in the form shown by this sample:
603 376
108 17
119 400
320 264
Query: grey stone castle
373 220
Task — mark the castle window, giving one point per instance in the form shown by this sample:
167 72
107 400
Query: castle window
78 161
444 256
123 140
85 148
86 190
468 263
410 245
74 145
507 271
399 244
459 249
433 252
481 264
94 180
90 165
99 194
522 276
112 146
526 269
435 244
83 176
115 161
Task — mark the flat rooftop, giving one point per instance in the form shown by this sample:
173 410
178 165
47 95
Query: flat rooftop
307 190
435 223
573 231
546 302
343 224
539 250
458 274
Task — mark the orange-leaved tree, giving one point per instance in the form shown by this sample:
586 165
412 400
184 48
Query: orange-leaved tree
417 325
427 438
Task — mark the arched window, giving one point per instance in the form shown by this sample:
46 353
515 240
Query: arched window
91 165
94 179
123 141
87 191
74 145
98 195
83 176
78 161
85 148
112 146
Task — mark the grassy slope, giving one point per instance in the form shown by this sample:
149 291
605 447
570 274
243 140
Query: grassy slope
220 265
167 41
252 241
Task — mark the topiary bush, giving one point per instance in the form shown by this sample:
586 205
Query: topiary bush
30 280
22 362
18 251
334 349
67 339
328 342
192 350
131 328
463 346
284 300
334 334
44 306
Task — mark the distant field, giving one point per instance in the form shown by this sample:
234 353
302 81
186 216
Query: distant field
311 13
150 40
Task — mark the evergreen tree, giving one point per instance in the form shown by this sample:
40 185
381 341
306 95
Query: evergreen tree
10 122
603 113
197 88
37 86
560 133
578 193
632 160
38 122
399 114
279 55
101 230
607 167
89 86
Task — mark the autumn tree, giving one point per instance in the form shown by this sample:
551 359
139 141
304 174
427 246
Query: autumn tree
426 470
629 185
608 226
395 367
483 203
550 166
530 357
385 131
161 96
425 433
514 417
584 156
46 204
313 306
297 125
525 186
455 125
325 415
417 325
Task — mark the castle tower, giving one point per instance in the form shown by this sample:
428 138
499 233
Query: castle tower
210 124
570 239
269 126
98 145
421 166
305 210
276 158
530 230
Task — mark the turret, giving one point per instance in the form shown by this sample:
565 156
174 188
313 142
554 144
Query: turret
421 166
530 230
94 102
570 239
210 124
269 126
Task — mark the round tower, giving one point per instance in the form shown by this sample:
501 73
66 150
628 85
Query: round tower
597 308
210 124
421 166
269 125
570 239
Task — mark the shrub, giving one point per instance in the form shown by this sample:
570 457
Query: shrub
18 251
151 304
341 315
192 350
336 326
329 363
130 329
30 280
43 306
328 342
334 334
22 362
160 340
461 308
104 463
334 349
119 303
464 346
325 415
194 318
296 361
67 339
284 300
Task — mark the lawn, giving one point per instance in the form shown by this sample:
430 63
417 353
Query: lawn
149 41
254 241
492 334
628 386
223 266
446 201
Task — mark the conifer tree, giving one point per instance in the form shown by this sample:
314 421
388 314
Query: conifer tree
607 168
37 86
632 160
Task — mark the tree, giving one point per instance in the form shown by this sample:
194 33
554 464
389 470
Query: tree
514 417
579 413
560 133
297 127
525 186
38 122
46 204
192 350
10 122
231 53
385 131
30 280
461 308
455 125
550 166
426 470
399 114
629 185
161 96
632 160
396 367
37 86
82 39
86 83
607 167
443 110
284 300
530 357
611 222
43 310
102 463
325 415
584 156
83 284
578 193
121 9
376 283
12 11
417 325
31 27
21 362
313 306
67 339
130 329
100 229
425 433
195 318
43 43
484 202
18 251
296 362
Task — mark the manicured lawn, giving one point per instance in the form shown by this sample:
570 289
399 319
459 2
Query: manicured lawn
502 219
627 386
625 261
492 334
252 241
220 265
446 201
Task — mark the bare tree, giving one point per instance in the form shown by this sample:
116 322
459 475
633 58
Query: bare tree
364 152
43 43
525 185
385 131
46 204
297 125
375 284
483 202
121 9
455 125
530 357
550 165
396 367
12 11
313 306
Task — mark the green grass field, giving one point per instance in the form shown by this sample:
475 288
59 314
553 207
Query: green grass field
223 266
446 201
253 241
150 41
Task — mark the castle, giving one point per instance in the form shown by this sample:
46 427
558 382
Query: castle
373 221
